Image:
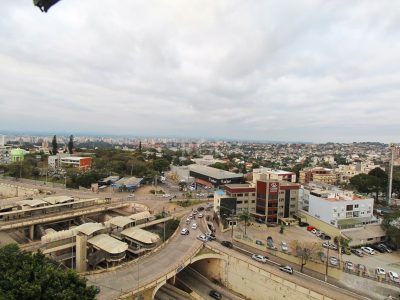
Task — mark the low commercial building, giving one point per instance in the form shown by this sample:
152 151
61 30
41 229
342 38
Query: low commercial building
139 241
245 195
108 180
129 184
337 207
317 174
82 163
213 177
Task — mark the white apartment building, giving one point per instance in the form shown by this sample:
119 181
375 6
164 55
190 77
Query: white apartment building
340 208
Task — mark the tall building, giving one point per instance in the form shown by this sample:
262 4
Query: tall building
317 174
275 200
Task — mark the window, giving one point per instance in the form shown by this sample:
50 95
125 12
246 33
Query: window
292 205
246 194
239 202
349 207
253 201
253 194
246 201
356 206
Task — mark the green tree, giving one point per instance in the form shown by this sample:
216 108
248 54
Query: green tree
391 224
54 145
219 165
245 217
305 251
24 275
71 144
161 164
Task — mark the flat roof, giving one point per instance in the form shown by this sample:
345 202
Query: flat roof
365 232
141 235
89 228
58 199
110 178
108 244
31 203
213 172
238 185
76 158
120 221
128 181
140 216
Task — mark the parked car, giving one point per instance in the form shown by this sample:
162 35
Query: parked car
185 231
284 246
214 294
310 228
325 237
379 247
357 252
187 221
303 224
318 233
333 261
286 269
227 244
259 242
259 258
349 266
380 271
194 226
202 238
200 208
385 247
394 276
368 250
200 215
332 246
314 231
210 236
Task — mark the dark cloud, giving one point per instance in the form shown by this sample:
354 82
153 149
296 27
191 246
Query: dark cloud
301 70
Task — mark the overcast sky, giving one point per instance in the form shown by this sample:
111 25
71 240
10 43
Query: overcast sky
267 70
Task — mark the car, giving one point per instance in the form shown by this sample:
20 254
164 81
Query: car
386 248
325 244
194 226
188 221
286 269
368 250
190 217
303 224
314 231
332 246
324 237
166 195
227 244
310 228
185 231
200 215
318 233
259 242
349 266
202 237
380 271
284 246
394 276
357 252
333 261
200 208
214 294
194 212
130 196
210 236
259 258
361 267
379 247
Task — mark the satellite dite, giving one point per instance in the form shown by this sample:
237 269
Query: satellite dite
44 5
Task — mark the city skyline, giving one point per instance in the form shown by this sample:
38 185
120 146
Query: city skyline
298 71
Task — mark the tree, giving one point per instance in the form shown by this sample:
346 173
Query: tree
54 145
245 216
70 144
24 275
391 224
305 251
220 166
161 164
140 146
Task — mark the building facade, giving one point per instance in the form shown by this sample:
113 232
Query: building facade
337 207
271 174
83 163
276 200
317 174
245 196
213 177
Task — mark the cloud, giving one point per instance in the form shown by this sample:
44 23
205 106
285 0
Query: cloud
299 70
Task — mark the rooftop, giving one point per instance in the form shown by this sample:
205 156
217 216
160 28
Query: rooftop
141 235
120 221
32 203
58 199
108 244
213 172
89 228
140 216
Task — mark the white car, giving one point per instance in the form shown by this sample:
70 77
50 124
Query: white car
380 271
349 266
259 258
166 195
333 261
200 215
185 231
368 250
286 269
202 238
194 226
314 231
284 246
394 276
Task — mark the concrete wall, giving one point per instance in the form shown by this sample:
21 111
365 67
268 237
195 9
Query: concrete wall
8 190
255 283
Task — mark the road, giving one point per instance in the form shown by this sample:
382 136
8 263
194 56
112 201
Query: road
167 293
202 286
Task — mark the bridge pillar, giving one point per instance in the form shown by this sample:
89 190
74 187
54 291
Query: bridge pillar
31 232
81 253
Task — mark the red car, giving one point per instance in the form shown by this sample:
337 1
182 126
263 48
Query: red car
309 228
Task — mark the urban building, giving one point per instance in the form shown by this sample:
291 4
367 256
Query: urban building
317 174
245 196
17 155
127 184
83 163
276 200
213 177
337 207
271 174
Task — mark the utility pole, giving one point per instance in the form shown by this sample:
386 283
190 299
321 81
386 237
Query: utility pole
326 264
392 148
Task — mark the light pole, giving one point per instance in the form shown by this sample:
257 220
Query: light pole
326 264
